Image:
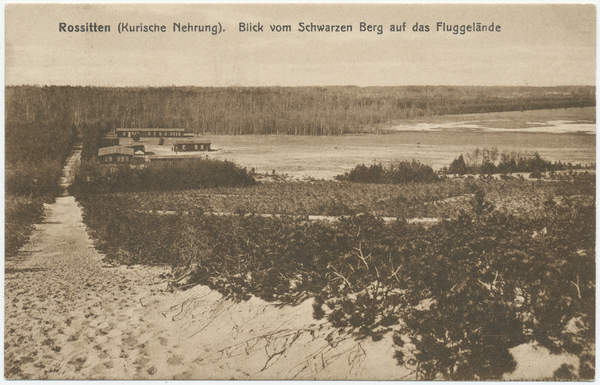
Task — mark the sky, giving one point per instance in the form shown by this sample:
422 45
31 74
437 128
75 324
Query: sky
537 45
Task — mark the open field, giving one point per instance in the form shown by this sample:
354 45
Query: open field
557 121
433 141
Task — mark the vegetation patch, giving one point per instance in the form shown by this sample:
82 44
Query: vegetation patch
38 138
20 213
491 161
456 295
392 173
92 177
442 200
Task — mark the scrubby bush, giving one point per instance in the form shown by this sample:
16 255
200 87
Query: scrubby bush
458 166
92 139
93 178
393 173
38 179
20 213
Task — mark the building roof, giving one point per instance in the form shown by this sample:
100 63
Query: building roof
192 142
151 129
173 157
111 135
115 150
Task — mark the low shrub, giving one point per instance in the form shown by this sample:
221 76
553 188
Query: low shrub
179 175
28 178
393 173
20 214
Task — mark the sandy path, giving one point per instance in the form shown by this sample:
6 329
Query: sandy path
63 309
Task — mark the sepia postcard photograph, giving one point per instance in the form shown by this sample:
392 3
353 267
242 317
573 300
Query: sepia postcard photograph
279 191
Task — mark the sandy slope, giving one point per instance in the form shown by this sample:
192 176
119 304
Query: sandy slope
67 316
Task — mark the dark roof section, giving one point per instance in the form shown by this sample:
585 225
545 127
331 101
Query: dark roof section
197 141
151 129
174 157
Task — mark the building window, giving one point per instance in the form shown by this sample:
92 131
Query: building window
195 146
109 158
183 147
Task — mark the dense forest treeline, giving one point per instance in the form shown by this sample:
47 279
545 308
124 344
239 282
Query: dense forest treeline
278 110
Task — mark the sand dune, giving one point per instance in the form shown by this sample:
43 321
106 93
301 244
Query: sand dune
69 316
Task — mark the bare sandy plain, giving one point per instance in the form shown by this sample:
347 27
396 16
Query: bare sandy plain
567 135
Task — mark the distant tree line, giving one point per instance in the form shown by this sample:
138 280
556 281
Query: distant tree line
281 110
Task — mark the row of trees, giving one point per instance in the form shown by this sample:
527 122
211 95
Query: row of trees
491 161
286 110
